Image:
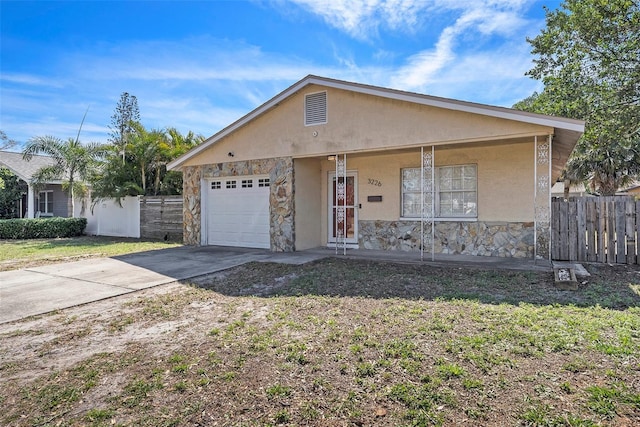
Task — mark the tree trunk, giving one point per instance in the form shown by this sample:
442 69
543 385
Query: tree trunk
73 199
157 181
607 186
144 180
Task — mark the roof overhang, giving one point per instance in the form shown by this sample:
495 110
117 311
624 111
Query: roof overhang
25 169
566 131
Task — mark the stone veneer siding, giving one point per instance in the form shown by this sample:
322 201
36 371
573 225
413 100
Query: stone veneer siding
513 239
191 213
281 207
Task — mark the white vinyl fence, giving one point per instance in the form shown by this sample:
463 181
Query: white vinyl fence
152 217
108 218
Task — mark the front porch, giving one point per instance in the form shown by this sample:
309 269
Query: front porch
375 200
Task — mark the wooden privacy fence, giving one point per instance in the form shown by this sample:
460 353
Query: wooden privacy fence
596 229
161 218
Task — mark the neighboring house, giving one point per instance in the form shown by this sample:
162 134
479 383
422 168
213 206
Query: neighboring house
579 190
45 201
329 162
575 190
632 190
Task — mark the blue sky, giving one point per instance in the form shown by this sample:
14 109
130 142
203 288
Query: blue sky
200 65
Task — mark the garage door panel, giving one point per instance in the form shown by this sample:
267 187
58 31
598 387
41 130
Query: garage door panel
238 216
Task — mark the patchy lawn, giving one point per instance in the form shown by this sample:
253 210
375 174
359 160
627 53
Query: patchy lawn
15 254
333 343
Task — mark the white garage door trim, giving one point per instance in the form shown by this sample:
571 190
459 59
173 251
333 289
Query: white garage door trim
235 211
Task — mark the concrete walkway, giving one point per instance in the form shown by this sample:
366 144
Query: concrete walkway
439 260
39 290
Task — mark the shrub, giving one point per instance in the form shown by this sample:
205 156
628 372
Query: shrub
42 228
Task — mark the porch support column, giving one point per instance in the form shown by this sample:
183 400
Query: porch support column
427 188
31 201
542 199
341 202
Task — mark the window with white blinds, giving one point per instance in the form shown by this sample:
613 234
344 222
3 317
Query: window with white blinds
455 195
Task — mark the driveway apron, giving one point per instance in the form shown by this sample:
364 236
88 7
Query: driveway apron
39 290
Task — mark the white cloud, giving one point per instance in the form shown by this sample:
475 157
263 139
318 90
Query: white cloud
422 67
199 84
478 20
197 59
203 84
361 18
29 79
479 28
491 77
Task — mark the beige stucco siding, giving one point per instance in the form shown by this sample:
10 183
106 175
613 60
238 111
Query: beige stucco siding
505 181
308 209
356 122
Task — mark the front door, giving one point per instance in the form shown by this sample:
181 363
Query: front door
343 228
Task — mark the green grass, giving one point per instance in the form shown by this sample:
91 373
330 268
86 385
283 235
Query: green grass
97 415
278 390
17 253
203 357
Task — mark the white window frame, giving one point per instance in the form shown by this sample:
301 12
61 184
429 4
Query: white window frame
438 191
48 199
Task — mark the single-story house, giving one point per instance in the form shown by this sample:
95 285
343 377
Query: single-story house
46 201
632 190
575 190
334 163
580 190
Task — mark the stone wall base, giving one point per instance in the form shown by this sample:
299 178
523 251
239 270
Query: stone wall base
281 212
504 239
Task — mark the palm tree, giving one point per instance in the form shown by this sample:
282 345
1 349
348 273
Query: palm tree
177 146
72 163
143 148
605 166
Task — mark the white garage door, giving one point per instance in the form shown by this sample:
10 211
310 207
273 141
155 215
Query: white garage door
238 212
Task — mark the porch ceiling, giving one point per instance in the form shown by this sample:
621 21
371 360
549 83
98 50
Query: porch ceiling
563 143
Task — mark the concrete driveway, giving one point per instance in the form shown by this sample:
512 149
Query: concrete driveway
39 290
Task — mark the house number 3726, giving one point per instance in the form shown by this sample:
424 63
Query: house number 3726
375 182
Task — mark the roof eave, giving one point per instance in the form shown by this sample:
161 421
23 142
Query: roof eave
450 104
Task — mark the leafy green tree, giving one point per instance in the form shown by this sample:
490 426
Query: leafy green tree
73 162
114 178
5 143
144 150
179 144
588 58
10 193
144 170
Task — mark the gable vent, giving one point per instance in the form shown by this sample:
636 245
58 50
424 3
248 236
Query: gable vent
315 108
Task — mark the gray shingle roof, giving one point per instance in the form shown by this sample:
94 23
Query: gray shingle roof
23 169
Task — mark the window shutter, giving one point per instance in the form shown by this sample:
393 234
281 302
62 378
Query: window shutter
315 108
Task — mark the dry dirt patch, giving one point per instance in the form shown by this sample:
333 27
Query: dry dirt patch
335 342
